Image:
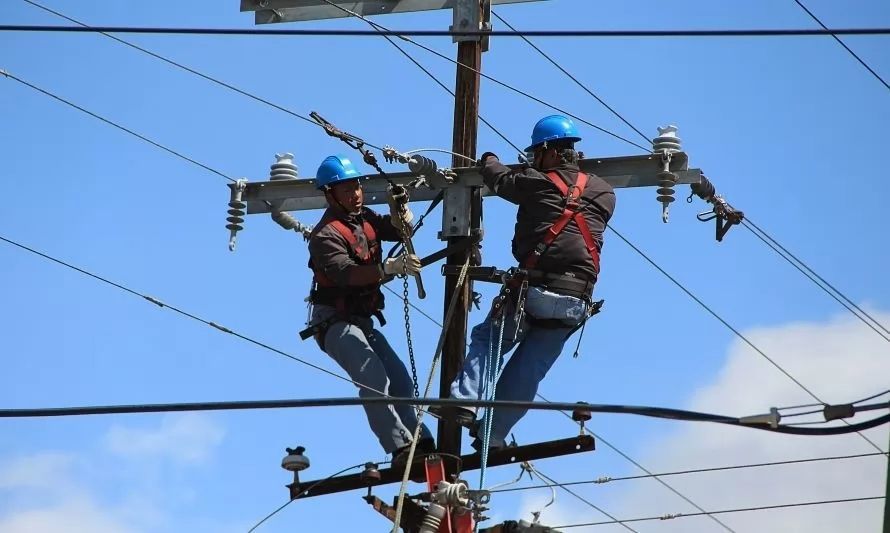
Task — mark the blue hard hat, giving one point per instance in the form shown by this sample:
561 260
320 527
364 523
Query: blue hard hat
335 169
551 128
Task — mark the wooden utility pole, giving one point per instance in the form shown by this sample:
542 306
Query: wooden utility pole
462 210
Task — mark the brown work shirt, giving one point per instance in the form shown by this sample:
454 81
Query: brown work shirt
541 203
331 254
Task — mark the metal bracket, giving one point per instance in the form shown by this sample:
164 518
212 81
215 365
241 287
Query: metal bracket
504 456
465 14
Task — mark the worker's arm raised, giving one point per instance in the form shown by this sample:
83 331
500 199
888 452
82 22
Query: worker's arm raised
511 185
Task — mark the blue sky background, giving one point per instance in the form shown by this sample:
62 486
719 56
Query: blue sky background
791 130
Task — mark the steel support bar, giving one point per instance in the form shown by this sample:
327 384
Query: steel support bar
301 194
504 456
273 11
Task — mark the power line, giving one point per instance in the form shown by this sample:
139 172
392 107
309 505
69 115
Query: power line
115 124
577 496
729 326
786 32
185 68
482 74
753 422
182 312
818 280
847 48
726 511
378 29
609 479
574 79
311 487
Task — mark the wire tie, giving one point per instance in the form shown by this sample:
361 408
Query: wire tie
221 328
2 71
150 299
670 516
604 479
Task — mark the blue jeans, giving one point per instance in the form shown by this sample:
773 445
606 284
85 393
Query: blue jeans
363 352
537 348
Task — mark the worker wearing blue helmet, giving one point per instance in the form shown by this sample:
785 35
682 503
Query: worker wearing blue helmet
562 213
348 269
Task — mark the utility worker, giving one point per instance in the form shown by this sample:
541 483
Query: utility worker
345 259
557 240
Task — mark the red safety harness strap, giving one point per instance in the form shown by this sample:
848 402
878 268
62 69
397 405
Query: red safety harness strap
571 212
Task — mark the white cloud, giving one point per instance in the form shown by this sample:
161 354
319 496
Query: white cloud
79 514
39 471
113 488
840 361
185 438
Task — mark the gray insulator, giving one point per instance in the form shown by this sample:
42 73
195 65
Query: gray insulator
667 141
237 209
666 144
283 168
433 518
422 166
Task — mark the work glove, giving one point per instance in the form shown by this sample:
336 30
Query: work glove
403 221
402 264
485 156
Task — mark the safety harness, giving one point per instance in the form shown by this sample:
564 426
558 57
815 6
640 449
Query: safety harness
571 213
365 301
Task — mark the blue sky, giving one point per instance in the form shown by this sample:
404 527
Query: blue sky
791 130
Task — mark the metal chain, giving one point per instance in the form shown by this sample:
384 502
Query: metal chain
406 302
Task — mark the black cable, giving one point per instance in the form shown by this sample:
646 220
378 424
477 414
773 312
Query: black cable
488 77
818 280
872 397
378 30
609 479
647 411
183 313
847 48
787 32
726 511
577 82
577 496
729 326
317 483
115 124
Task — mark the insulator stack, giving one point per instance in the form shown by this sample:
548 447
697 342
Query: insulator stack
422 166
704 189
666 144
237 209
283 168
433 519
288 222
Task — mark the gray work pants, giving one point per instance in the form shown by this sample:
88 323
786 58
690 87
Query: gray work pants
363 352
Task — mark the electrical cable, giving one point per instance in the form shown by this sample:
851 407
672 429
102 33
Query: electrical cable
728 325
726 511
483 75
378 30
847 48
115 124
184 313
319 482
753 422
600 439
781 32
818 280
608 479
577 82
581 498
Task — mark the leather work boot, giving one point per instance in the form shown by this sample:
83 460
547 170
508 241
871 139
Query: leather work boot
400 456
463 416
